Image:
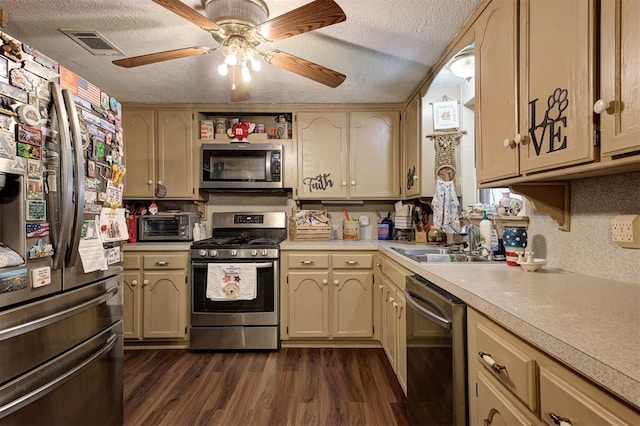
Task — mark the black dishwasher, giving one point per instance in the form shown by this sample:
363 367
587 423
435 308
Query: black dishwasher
436 355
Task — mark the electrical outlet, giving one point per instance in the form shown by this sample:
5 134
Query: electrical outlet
625 231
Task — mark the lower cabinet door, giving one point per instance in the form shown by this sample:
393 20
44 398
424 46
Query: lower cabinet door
132 307
165 295
308 304
352 304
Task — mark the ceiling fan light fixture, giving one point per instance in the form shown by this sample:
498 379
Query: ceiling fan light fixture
251 12
246 74
463 64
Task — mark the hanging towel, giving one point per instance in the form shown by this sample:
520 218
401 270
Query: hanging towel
231 281
445 206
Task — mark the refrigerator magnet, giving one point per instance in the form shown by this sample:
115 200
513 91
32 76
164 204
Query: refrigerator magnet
13 280
36 210
19 165
4 67
33 169
104 100
34 189
37 229
91 168
19 77
7 145
30 135
40 249
6 122
41 276
30 115
28 151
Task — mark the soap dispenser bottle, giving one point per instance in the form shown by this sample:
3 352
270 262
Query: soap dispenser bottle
485 231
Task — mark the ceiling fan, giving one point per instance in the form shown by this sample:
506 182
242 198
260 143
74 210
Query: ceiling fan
239 27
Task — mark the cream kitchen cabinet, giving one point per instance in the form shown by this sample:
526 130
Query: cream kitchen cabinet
535 108
327 295
159 154
512 382
155 295
348 155
619 104
411 170
392 319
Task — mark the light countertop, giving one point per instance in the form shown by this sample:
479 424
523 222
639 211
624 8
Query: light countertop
589 323
158 246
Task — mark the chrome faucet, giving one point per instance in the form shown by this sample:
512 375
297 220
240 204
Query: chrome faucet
469 230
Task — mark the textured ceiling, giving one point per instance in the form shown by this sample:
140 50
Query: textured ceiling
385 47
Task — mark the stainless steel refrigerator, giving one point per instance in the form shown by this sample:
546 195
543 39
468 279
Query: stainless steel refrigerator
61 346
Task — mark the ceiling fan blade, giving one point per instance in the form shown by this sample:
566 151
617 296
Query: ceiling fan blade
305 68
179 8
239 89
168 55
314 15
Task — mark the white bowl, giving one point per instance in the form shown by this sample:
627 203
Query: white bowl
533 265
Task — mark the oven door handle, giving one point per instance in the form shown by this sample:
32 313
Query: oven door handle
258 265
413 298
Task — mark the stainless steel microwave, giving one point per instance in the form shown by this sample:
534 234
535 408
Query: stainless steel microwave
241 166
167 227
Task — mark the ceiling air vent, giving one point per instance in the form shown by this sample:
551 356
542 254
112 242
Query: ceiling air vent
94 42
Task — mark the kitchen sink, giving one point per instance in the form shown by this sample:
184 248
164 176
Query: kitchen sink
438 255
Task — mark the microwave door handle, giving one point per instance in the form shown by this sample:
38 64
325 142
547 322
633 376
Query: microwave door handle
78 179
268 166
66 170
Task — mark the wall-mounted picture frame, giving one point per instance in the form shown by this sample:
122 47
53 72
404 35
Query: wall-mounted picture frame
445 115
4 67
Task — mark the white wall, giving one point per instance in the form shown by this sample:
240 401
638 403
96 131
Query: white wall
588 247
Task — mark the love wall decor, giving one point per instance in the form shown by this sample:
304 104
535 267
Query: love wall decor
549 129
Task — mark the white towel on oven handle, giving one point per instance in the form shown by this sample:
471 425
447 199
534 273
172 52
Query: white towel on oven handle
231 281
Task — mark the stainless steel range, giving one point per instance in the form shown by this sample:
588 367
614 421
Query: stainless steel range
235 281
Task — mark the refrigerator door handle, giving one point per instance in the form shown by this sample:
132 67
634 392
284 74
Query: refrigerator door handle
78 177
35 394
37 323
66 170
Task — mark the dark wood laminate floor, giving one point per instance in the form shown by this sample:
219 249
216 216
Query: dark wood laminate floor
294 386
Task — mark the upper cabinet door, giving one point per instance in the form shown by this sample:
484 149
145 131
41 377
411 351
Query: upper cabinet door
139 153
620 76
322 155
496 91
175 153
374 151
557 63
410 172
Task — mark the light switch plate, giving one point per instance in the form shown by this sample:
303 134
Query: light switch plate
625 231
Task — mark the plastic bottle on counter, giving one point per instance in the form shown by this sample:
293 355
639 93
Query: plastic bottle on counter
485 230
196 232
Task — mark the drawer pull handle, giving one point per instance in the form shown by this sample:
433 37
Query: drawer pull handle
561 421
307 262
162 263
492 362
351 262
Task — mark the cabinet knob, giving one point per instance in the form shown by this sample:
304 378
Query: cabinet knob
162 263
336 282
395 304
149 182
415 177
344 183
380 286
521 139
353 183
159 182
145 283
325 281
134 283
392 300
508 143
601 106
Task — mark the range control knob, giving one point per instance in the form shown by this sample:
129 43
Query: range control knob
213 253
254 252
264 252
202 253
233 252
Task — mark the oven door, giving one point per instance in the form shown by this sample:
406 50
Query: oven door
263 310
